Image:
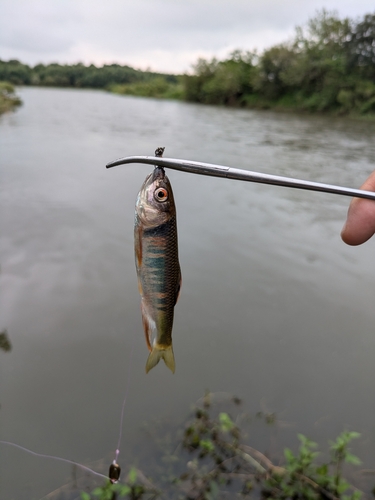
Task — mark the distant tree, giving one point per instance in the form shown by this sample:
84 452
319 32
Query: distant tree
76 75
361 47
274 64
224 82
319 70
15 72
203 71
325 31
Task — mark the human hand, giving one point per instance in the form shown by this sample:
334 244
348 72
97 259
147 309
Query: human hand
360 223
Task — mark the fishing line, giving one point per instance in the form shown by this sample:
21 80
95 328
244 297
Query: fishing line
52 457
125 398
114 469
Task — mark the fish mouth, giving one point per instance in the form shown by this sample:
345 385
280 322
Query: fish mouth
158 174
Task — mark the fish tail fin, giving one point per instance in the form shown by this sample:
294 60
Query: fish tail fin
158 353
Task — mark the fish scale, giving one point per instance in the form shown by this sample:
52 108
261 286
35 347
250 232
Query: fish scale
159 258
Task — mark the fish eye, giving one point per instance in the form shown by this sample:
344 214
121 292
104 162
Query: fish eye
161 194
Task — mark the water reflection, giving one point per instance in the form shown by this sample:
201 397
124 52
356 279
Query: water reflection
5 344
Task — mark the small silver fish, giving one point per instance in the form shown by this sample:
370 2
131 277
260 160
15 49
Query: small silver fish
158 268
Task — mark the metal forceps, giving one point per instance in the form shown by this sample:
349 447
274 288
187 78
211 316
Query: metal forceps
197 167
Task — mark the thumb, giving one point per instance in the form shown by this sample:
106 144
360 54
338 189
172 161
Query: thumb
360 223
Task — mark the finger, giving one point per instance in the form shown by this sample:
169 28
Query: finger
360 223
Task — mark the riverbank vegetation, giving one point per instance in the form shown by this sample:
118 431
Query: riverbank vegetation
8 97
77 75
212 457
328 66
159 87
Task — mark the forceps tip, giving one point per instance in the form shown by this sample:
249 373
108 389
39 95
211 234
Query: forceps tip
119 161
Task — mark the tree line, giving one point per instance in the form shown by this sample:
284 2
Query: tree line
75 75
329 65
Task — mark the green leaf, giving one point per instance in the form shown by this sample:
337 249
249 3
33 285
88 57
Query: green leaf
207 445
322 469
352 459
289 455
306 442
125 490
226 422
353 435
97 492
342 487
132 475
85 496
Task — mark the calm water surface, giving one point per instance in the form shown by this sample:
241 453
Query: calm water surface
274 307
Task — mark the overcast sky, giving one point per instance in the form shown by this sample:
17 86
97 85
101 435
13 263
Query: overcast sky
164 35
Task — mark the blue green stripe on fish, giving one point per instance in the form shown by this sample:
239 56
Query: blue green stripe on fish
158 268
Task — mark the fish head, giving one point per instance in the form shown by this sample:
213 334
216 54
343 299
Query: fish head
155 202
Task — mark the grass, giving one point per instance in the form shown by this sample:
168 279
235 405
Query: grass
157 87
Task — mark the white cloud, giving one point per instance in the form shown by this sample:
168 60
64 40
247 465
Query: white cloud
166 35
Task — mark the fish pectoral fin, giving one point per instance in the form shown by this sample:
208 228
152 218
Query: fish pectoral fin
158 353
138 246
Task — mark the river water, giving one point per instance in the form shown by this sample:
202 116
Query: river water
274 308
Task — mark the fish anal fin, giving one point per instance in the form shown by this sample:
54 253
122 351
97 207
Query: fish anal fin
140 289
148 325
178 288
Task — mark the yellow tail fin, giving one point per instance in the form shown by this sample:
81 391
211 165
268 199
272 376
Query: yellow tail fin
160 352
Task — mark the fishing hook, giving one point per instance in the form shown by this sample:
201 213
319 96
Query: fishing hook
197 167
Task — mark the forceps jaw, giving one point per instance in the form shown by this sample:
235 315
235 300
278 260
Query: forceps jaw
196 167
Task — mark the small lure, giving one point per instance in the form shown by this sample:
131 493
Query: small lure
158 268
114 472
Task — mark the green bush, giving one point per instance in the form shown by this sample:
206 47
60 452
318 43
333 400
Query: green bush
329 66
157 87
8 98
211 459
